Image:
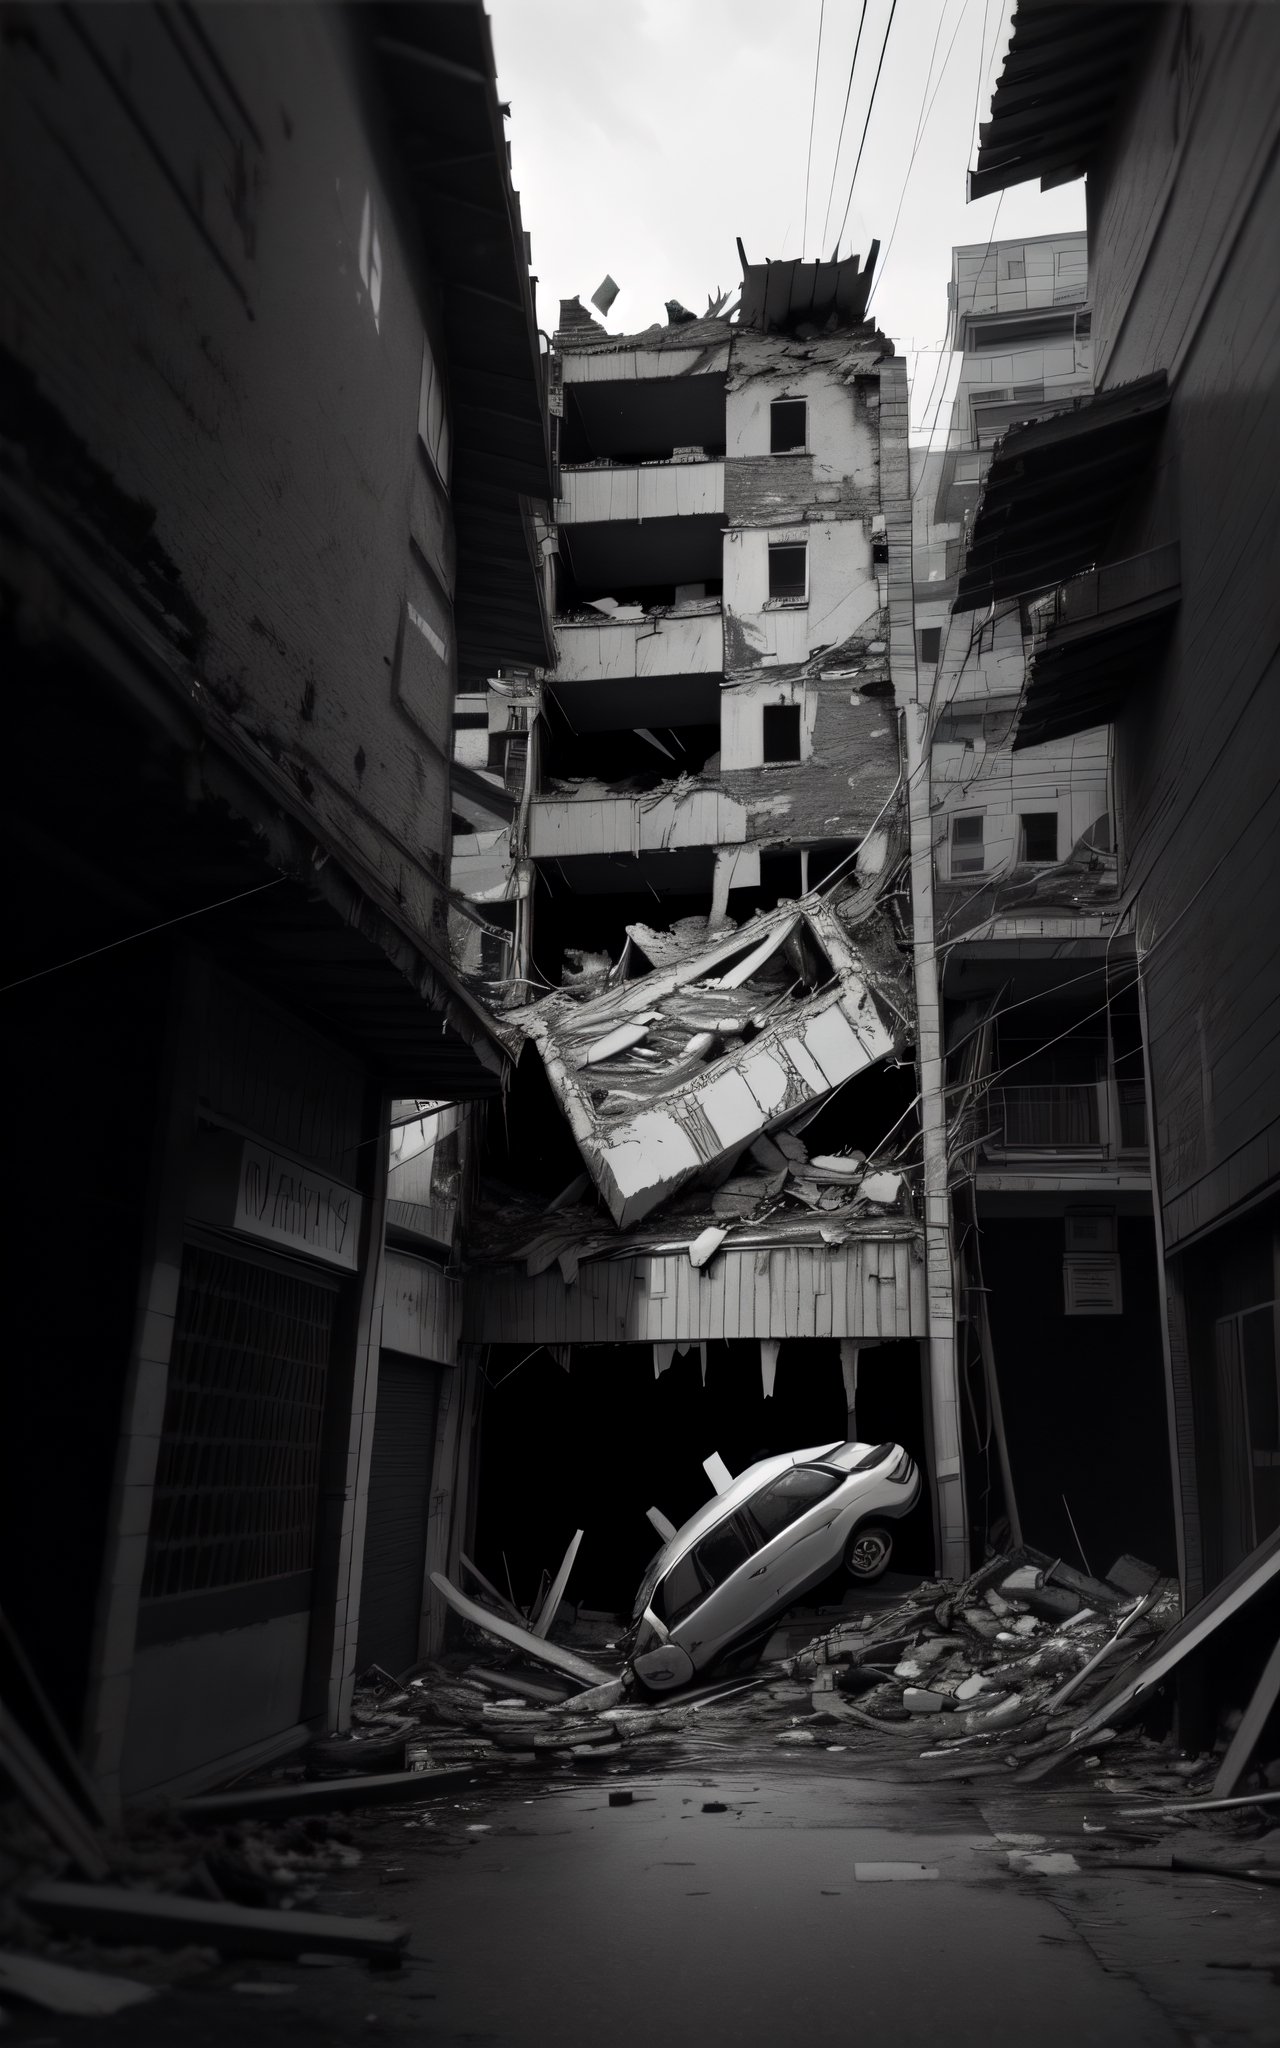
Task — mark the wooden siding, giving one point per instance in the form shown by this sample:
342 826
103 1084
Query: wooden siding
1186 280
421 1309
873 1290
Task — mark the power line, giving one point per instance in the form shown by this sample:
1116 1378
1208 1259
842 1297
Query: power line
840 137
922 122
813 110
183 917
867 123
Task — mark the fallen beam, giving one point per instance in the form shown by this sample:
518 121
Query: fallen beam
324 1795
551 1605
521 1638
474 1572
516 1686
112 1913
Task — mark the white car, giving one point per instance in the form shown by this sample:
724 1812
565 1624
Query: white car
778 1530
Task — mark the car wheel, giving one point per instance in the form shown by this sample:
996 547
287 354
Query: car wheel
868 1552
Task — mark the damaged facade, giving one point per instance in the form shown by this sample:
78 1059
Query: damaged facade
705 864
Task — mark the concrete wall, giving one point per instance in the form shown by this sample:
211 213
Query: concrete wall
250 437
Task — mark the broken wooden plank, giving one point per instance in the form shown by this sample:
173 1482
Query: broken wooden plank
555 1594
1245 1740
516 1686
57 1987
112 1913
46 1797
324 1795
666 1529
1086 1671
1250 1578
718 1472
508 1607
73 1769
521 1638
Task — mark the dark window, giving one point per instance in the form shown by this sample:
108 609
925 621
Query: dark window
968 854
498 752
788 1497
788 570
782 732
788 425
1040 835
720 1553
469 721
930 645
679 1593
238 1473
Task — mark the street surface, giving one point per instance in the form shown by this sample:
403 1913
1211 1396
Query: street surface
829 1901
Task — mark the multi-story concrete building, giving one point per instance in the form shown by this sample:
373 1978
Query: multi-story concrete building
1049 1175
712 781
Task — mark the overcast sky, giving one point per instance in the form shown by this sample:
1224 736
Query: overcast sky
646 134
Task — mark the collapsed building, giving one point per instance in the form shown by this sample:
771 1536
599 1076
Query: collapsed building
698 1220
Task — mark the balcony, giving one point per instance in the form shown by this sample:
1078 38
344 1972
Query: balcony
1096 636
641 491
597 821
1100 1120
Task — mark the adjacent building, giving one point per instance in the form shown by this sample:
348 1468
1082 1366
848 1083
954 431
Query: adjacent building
1137 532
274 429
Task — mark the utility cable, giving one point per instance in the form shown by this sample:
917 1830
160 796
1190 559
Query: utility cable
831 193
165 924
893 8
813 110
922 123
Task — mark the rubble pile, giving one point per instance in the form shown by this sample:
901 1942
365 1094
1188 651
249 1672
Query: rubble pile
1007 1663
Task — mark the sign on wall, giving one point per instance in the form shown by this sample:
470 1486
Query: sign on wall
239 1184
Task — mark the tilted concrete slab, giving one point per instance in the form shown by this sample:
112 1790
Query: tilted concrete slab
712 1052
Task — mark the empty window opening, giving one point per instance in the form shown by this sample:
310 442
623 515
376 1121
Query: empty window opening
789 571
470 721
930 645
788 425
1040 837
968 854
781 732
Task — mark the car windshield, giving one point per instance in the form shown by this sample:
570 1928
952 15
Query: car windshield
789 1496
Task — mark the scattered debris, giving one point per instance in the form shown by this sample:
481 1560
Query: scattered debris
113 1913
57 1987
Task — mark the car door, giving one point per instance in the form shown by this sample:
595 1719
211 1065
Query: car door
725 1559
794 1520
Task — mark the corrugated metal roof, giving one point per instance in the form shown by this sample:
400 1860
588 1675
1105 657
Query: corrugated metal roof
780 296
1066 70
1053 491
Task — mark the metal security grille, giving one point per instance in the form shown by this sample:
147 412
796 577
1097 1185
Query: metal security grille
235 1494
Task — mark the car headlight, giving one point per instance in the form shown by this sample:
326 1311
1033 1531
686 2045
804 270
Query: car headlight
903 1470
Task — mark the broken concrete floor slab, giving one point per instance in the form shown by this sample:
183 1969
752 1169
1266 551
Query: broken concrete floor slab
669 1075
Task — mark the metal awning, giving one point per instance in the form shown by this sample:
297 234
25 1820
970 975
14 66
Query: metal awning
1100 636
437 70
1067 67
1053 491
